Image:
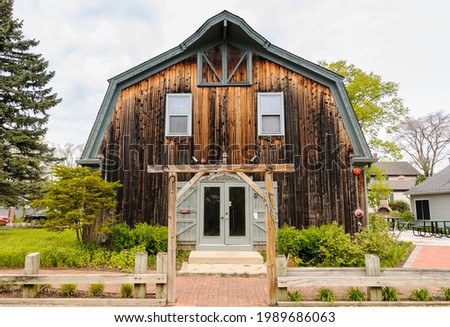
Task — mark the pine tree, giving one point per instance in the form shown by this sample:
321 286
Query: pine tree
25 100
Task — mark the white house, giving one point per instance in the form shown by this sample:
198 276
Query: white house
431 198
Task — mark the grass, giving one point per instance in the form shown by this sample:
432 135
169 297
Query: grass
326 295
421 295
58 250
63 250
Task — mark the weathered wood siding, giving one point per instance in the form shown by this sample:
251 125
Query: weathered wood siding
323 189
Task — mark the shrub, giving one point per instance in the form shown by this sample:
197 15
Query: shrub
389 294
326 295
327 245
295 296
421 295
336 248
124 260
399 205
68 289
446 293
355 294
126 290
96 290
153 238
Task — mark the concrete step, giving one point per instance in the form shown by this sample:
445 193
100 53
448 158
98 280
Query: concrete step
223 269
226 257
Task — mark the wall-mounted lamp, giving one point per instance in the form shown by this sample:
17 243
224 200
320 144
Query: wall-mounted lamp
254 160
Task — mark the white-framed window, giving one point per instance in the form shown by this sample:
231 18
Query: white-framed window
179 114
270 114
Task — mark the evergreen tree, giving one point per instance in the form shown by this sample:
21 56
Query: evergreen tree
25 100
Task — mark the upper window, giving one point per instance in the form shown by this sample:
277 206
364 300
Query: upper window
179 114
270 114
224 64
422 209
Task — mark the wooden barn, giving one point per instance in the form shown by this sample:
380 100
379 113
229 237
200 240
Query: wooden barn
222 109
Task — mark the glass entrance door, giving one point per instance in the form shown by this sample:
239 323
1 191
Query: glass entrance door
224 218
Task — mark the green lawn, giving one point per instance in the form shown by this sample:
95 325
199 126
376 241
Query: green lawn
58 250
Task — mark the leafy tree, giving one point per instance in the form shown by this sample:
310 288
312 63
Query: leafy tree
426 140
376 104
378 186
24 103
81 200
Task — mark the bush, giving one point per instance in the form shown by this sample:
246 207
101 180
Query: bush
153 238
399 205
125 260
329 245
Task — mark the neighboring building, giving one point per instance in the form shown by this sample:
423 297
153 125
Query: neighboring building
431 198
401 176
226 94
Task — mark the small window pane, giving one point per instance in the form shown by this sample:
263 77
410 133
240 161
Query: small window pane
178 124
270 104
270 124
178 105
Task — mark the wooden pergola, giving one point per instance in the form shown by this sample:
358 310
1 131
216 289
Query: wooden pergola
241 171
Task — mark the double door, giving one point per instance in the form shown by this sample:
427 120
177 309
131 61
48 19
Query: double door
224 214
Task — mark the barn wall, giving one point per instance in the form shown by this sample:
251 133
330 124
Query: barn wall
321 190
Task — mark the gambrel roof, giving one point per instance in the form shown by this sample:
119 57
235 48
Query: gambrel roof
436 184
232 27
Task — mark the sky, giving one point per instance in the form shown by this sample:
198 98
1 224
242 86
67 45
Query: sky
89 41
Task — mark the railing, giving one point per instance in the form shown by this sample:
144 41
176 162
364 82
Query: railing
372 276
32 278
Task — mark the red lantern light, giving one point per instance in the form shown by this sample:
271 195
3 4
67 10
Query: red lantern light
356 171
359 213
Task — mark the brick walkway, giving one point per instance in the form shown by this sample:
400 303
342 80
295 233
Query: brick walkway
432 257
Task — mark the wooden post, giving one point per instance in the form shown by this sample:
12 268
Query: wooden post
281 269
270 240
140 267
172 242
373 269
32 262
161 268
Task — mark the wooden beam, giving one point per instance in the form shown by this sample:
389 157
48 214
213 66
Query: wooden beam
172 235
252 184
189 184
232 168
84 279
270 240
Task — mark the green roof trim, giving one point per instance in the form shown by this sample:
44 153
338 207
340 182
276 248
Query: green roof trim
208 33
